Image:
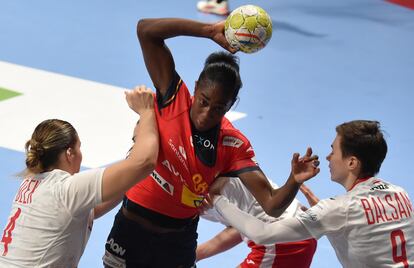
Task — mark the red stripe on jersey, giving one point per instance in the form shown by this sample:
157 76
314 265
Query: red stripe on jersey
255 257
296 254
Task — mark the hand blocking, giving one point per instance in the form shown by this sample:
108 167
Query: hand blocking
140 99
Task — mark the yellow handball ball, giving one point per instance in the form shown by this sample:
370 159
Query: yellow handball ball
248 28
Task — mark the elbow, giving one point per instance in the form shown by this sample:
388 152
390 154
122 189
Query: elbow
145 155
273 211
275 207
146 166
142 28
150 162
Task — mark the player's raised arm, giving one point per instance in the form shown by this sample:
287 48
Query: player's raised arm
119 177
157 56
275 201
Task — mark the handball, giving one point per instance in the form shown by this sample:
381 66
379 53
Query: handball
248 28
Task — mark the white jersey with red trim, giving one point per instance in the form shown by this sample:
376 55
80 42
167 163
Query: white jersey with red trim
370 226
51 219
296 254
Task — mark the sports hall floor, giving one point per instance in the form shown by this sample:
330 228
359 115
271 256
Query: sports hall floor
329 61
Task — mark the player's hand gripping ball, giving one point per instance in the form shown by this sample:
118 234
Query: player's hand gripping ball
248 28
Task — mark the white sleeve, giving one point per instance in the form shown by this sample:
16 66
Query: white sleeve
287 230
82 191
329 215
211 215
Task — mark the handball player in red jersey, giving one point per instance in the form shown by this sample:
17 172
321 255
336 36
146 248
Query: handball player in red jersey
157 224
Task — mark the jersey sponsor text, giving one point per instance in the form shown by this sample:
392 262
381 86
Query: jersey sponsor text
165 185
173 170
178 154
115 247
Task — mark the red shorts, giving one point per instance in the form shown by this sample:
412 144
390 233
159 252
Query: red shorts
286 255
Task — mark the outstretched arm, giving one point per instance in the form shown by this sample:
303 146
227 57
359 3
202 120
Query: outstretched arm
286 230
275 201
158 58
223 241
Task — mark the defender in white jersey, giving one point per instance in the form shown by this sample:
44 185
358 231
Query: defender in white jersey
282 255
53 210
372 225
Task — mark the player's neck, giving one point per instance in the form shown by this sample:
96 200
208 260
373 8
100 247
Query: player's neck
62 164
354 181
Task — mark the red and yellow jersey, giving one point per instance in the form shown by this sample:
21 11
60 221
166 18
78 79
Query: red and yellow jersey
180 180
